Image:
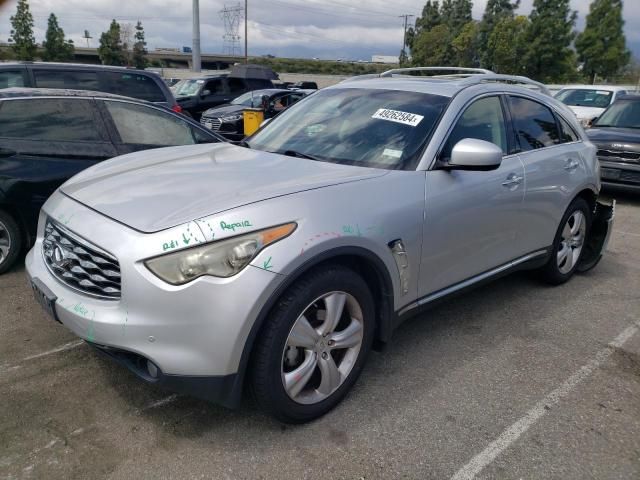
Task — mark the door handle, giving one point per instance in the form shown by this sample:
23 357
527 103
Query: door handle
512 180
571 165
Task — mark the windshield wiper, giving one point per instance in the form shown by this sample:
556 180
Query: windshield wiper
243 143
293 153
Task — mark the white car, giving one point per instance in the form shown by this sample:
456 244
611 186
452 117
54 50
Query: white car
589 101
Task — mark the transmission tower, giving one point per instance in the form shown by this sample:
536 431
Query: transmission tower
231 16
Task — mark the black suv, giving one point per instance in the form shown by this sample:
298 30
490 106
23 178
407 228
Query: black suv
47 136
129 82
195 95
616 134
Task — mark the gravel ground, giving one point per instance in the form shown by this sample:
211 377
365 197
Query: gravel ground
513 380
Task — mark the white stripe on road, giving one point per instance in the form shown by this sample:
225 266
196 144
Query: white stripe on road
61 348
161 402
510 435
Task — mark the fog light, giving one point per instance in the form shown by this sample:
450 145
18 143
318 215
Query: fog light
152 369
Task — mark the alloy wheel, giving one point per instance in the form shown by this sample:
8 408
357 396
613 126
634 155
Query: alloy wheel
573 236
322 347
5 242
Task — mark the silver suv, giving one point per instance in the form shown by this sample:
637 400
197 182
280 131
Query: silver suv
280 262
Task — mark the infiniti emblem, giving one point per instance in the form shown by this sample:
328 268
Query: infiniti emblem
59 257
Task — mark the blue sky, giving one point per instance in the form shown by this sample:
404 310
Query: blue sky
347 29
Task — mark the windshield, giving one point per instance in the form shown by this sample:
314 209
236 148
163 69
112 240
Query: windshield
585 98
353 126
187 88
622 114
249 99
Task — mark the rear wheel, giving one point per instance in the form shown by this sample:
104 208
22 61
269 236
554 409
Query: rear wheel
10 241
314 345
568 243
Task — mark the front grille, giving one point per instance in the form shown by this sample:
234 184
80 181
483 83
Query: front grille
618 156
211 123
80 264
627 176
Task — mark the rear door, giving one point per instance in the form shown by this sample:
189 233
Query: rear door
472 222
137 127
553 167
214 92
63 78
45 141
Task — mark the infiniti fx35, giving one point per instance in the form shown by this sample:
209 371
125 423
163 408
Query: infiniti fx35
278 263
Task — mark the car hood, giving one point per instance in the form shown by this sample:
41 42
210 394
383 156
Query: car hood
607 135
223 110
587 113
161 188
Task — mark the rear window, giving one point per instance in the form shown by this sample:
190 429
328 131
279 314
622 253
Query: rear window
131 84
534 123
66 79
70 120
585 98
11 78
256 84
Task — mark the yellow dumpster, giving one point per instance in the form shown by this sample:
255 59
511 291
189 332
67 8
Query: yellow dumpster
252 118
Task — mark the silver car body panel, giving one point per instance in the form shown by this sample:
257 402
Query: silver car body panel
458 227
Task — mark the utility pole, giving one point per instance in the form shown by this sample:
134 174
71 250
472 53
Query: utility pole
404 37
195 55
246 16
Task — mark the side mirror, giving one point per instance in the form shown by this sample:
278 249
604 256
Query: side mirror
265 102
474 154
264 122
591 122
205 93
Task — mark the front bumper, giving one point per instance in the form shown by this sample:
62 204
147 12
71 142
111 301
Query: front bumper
193 334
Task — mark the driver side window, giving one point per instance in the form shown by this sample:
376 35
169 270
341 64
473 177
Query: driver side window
483 120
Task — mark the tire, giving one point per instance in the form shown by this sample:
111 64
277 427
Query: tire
10 241
568 246
319 364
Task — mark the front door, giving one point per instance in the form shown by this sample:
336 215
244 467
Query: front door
472 217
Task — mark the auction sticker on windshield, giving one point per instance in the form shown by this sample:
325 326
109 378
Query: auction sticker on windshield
397 116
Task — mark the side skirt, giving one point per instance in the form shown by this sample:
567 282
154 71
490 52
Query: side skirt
527 262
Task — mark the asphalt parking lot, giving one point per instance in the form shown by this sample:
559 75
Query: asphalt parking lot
513 380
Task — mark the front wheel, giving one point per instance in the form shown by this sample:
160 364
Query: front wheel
314 345
10 241
568 243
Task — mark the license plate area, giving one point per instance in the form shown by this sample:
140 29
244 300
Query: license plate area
610 173
45 297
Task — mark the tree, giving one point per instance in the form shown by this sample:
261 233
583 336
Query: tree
601 46
433 47
549 55
465 46
508 45
110 50
430 18
460 15
24 44
56 48
139 48
494 11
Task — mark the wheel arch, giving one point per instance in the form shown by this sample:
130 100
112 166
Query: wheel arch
364 262
590 196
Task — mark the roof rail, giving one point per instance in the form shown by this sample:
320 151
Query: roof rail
494 77
463 70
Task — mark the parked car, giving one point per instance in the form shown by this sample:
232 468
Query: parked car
227 120
616 134
304 85
196 95
282 261
47 136
589 101
128 82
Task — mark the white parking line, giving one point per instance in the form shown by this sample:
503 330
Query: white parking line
61 348
161 402
510 435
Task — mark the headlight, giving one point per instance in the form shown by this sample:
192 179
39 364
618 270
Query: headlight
219 259
231 118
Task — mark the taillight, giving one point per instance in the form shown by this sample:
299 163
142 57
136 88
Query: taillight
177 108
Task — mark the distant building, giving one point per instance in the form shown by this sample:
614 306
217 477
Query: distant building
385 59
